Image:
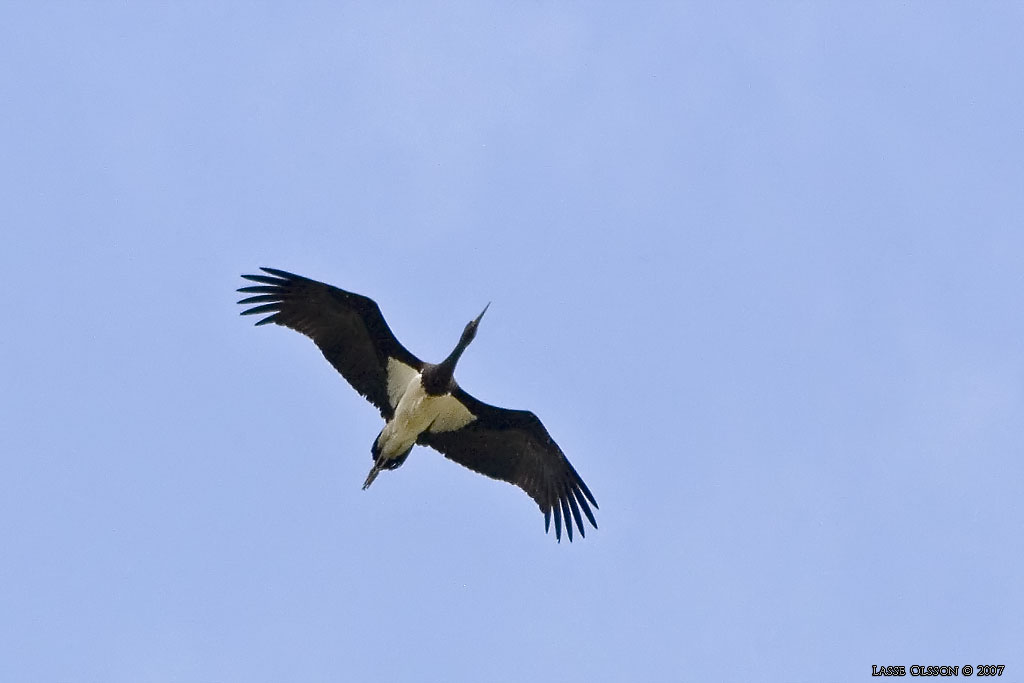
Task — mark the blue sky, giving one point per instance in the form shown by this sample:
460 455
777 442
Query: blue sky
759 269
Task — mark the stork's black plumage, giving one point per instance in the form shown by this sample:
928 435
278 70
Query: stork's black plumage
421 402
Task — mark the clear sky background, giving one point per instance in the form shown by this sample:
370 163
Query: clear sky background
759 270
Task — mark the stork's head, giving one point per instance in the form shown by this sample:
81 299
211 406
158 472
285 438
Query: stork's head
470 332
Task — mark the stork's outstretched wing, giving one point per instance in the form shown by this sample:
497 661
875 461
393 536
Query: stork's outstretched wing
349 329
513 445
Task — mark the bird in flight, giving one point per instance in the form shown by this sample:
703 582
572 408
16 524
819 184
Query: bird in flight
420 402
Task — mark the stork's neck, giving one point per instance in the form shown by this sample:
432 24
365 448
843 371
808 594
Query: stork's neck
438 379
456 354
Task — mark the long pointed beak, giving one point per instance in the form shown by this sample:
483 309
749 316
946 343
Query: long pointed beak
477 321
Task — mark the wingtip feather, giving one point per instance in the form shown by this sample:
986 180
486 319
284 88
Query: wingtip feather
266 280
260 289
575 510
568 519
586 508
283 274
259 298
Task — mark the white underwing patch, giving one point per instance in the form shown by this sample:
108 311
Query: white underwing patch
399 376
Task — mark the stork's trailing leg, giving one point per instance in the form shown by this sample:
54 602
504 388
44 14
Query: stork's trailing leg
378 465
382 462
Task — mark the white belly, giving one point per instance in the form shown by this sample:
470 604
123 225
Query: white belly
415 412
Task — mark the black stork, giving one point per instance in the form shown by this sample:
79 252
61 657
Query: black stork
421 402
